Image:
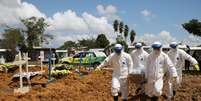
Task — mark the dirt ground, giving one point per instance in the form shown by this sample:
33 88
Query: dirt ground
92 87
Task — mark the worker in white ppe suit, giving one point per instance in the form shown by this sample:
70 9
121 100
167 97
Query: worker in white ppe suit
121 63
137 77
178 57
139 57
158 65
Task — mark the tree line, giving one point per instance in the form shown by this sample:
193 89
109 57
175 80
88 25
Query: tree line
122 31
100 42
24 38
34 35
120 28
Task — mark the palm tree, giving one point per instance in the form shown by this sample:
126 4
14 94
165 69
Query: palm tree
132 36
121 27
126 30
116 25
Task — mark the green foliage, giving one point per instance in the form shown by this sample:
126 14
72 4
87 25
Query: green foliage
68 45
34 34
11 38
1 41
25 39
126 30
121 27
115 25
89 43
193 27
121 41
35 28
119 38
102 41
132 36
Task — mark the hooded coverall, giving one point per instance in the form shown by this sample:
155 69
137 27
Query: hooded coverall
139 57
121 64
178 57
158 64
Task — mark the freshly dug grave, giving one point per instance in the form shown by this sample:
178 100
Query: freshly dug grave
92 87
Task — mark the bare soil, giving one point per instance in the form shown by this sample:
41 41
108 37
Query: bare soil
95 86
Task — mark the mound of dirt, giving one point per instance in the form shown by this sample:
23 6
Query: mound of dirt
95 86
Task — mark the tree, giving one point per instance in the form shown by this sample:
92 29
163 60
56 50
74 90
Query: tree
124 44
116 25
121 27
1 43
68 45
35 28
89 43
193 27
126 30
102 41
12 37
132 36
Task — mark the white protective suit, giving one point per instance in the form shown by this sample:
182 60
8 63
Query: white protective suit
121 65
158 64
178 57
139 57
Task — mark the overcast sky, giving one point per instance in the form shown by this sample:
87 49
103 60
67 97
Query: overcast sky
153 20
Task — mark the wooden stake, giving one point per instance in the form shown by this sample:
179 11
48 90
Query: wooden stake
20 67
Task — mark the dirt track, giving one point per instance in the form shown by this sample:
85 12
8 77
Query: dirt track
92 87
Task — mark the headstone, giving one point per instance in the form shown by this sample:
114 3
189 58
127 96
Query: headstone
2 60
53 59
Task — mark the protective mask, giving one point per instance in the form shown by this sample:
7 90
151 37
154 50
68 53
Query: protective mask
139 49
173 49
118 52
156 51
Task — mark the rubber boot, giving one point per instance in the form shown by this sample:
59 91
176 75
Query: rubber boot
115 98
143 97
174 93
154 98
